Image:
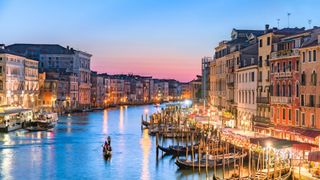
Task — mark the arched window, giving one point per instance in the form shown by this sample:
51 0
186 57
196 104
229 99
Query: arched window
278 89
289 90
303 78
253 97
283 89
297 89
314 78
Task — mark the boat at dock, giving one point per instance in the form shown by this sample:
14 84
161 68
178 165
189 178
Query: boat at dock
14 118
177 150
210 161
42 122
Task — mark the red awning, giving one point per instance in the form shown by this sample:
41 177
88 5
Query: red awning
304 146
295 130
314 156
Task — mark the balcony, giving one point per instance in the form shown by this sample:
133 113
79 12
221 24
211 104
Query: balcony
280 100
261 119
263 100
285 54
231 69
230 84
282 74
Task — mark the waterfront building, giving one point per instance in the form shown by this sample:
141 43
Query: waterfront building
97 90
309 87
262 121
287 80
205 69
174 90
195 89
247 87
223 79
53 57
161 90
18 79
185 91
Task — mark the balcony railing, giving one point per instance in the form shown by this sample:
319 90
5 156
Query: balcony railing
264 100
282 74
261 119
285 53
280 100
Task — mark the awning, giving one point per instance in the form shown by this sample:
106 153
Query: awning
314 156
295 130
304 146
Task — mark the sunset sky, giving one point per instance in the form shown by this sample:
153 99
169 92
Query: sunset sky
163 38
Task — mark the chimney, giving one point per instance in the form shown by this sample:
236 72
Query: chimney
266 28
2 46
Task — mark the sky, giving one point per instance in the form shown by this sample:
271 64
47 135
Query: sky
162 38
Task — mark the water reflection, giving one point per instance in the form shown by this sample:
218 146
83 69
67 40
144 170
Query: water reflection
145 144
121 119
105 122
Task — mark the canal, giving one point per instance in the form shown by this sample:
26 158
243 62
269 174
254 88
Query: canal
73 150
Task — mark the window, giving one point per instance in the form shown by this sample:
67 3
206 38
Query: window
1 85
289 90
312 100
289 114
260 43
268 41
252 76
297 117
284 114
0 69
278 113
284 67
297 66
278 67
272 68
283 89
0 58
278 89
260 61
303 119
271 89
314 78
297 89
303 56
302 100
313 122
310 57
303 78
260 76
289 66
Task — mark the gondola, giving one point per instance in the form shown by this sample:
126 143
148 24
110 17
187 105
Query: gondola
187 164
107 152
177 150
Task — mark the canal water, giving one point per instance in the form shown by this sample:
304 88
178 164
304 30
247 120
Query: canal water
74 149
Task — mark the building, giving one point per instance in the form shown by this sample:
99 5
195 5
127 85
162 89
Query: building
161 90
223 78
185 91
195 89
247 87
205 69
262 121
287 80
19 79
97 90
53 57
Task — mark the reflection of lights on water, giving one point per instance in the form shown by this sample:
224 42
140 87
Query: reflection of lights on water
121 119
105 122
145 145
6 163
69 126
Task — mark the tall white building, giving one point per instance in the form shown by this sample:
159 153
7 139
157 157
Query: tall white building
53 57
19 84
